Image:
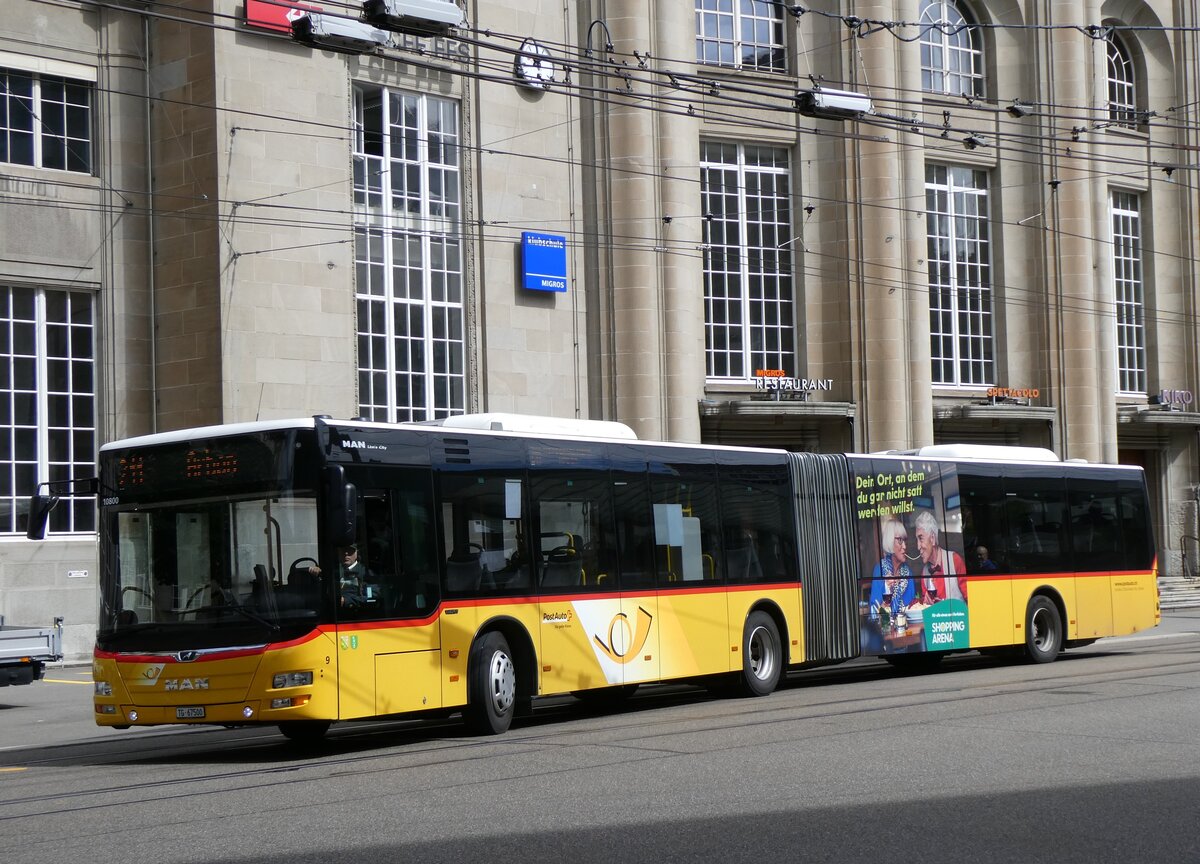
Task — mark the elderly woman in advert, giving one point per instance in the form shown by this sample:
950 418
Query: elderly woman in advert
892 584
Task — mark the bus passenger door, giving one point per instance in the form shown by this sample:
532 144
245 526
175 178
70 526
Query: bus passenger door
1095 541
387 594
635 639
693 616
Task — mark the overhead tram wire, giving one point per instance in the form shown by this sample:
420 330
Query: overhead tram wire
353 8
689 249
801 131
905 125
504 78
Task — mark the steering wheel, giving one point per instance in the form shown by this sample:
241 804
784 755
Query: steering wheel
141 591
296 564
192 597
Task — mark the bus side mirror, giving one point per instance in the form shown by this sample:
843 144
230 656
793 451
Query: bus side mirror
341 507
39 514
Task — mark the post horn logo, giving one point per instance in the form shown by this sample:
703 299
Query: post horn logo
625 643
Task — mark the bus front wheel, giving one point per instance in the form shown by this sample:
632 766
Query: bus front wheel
762 657
304 731
1043 630
491 685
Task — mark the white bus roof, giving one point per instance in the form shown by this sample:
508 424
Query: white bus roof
221 431
992 452
501 422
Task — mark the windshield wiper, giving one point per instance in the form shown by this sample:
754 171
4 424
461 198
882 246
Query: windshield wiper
133 630
253 616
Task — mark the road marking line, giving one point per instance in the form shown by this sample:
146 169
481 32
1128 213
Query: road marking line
7 770
63 681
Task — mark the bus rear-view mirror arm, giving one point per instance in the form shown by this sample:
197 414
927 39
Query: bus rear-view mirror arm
41 503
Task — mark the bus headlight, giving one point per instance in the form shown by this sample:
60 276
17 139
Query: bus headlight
292 679
103 688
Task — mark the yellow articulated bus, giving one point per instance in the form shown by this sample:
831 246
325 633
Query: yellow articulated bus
298 573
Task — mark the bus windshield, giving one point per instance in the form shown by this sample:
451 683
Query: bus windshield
209 573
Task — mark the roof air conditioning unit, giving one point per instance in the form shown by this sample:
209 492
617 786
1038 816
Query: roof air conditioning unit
338 34
420 17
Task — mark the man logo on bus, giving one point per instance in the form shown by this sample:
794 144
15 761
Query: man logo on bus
619 648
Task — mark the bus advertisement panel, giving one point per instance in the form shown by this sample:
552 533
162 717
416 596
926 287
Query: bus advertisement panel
913 575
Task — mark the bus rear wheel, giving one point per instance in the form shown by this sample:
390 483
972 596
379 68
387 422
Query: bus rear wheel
491 685
762 657
1043 630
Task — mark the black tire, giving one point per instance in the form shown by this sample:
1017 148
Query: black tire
491 685
304 731
1043 631
762 656
916 663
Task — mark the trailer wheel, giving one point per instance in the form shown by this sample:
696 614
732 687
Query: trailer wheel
1043 630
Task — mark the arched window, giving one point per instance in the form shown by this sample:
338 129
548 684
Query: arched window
951 50
1122 89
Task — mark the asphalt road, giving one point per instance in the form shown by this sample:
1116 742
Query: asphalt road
1095 758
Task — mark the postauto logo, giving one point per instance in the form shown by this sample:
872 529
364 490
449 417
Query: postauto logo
620 647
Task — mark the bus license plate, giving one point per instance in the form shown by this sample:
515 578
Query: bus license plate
189 713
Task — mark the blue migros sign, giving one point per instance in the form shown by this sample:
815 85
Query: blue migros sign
544 261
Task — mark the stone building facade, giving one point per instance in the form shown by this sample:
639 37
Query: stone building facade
207 221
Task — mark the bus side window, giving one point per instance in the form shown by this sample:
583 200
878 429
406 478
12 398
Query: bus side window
1037 518
483 531
368 589
984 523
416 550
687 528
574 530
397 549
635 531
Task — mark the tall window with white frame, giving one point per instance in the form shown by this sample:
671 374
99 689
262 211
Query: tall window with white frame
746 34
749 312
1129 293
408 255
47 402
951 50
45 121
1122 84
960 276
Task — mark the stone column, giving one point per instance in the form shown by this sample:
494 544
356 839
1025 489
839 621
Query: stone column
1071 265
637 311
681 270
887 231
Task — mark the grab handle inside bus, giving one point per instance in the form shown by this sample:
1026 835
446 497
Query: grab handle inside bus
341 507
